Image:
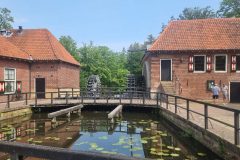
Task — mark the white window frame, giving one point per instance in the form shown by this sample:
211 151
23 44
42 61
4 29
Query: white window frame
238 71
15 80
225 63
204 64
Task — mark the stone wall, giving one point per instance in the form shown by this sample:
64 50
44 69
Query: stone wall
218 145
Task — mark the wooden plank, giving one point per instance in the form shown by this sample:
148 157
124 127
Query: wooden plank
65 111
55 153
115 112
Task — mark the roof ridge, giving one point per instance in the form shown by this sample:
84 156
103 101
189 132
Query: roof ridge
204 19
51 45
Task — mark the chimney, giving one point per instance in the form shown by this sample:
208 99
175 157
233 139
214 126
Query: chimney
20 28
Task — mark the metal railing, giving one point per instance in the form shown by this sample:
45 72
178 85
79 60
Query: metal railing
139 98
206 106
19 150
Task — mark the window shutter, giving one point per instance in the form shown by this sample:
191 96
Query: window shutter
190 64
2 86
209 63
19 87
233 63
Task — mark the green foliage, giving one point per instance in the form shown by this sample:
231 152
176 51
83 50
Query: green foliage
229 8
6 19
134 57
135 54
70 45
197 13
100 60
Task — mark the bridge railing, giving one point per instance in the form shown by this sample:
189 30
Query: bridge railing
20 150
184 107
226 119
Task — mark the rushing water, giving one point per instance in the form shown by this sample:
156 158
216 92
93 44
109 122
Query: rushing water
136 135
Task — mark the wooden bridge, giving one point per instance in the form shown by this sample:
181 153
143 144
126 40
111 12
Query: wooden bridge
81 97
210 117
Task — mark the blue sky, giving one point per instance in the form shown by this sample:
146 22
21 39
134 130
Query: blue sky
114 23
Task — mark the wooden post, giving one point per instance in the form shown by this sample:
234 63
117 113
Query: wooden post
8 101
51 98
157 99
175 104
72 93
236 128
58 93
107 96
131 97
35 99
94 96
206 115
81 96
26 99
187 109
166 101
120 98
66 96
143 98
160 99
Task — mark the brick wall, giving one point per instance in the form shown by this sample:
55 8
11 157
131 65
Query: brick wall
56 74
194 85
22 71
68 76
47 70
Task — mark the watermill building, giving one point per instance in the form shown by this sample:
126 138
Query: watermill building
33 60
191 55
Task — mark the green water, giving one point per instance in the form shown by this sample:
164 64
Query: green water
135 135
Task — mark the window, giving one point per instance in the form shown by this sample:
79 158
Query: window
221 63
10 80
199 63
238 62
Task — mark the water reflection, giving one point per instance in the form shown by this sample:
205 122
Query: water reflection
135 135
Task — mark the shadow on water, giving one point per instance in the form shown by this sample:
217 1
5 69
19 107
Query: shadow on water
136 134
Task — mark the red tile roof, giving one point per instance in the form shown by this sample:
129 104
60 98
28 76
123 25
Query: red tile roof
41 45
202 34
7 49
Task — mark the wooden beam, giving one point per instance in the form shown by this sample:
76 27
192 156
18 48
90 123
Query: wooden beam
116 112
65 111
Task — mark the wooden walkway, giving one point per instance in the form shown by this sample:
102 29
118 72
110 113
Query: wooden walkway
220 120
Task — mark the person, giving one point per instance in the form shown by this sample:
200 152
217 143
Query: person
215 91
225 93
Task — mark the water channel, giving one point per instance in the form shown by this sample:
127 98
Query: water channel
136 134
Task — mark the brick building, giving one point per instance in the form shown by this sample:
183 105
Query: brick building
34 60
191 55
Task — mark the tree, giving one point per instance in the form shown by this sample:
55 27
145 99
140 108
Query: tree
197 13
150 41
100 60
229 8
6 19
70 45
134 57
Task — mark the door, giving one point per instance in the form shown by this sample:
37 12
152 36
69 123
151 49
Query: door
166 70
40 87
235 92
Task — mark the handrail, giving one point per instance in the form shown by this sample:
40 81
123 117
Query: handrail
17 150
132 97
